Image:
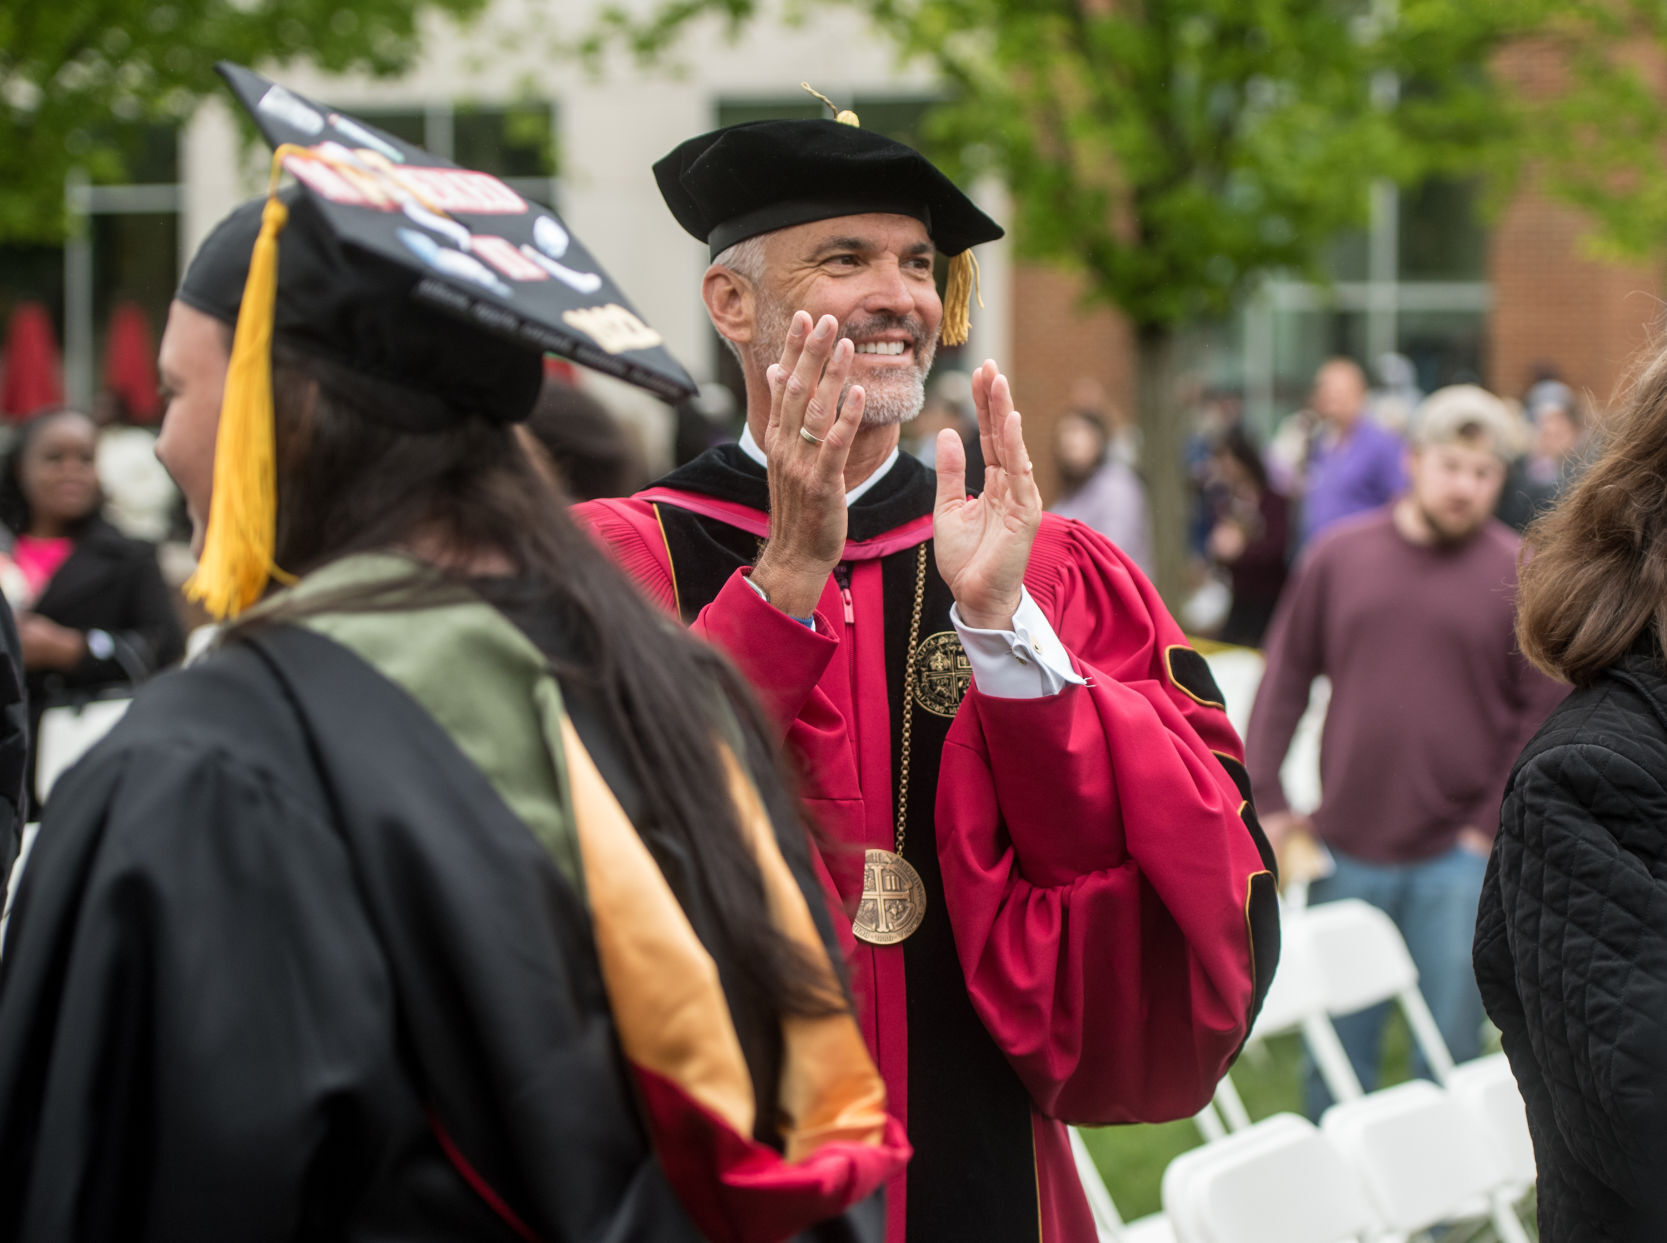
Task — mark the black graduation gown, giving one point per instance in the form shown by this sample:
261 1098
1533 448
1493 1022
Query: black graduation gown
111 583
14 741
259 986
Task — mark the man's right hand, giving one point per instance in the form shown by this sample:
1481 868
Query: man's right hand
807 480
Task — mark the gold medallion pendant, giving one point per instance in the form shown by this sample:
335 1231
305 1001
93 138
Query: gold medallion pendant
893 899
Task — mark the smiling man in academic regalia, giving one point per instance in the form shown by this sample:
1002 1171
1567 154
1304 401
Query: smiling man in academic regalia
1035 810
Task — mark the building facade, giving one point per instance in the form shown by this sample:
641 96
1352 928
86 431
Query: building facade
1425 280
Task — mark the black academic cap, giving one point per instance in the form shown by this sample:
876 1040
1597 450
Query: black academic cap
411 230
391 264
356 311
754 178
760 176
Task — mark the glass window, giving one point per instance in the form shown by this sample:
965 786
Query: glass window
406 123
135 260
1212 351
795 108
32 274
1348 258
149 155
518 141
895 116
1446 347
1440 233
902 118
1302 340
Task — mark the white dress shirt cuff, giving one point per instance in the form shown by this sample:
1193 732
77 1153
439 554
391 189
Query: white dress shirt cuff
1026 662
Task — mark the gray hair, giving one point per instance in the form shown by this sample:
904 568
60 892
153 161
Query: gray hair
746 259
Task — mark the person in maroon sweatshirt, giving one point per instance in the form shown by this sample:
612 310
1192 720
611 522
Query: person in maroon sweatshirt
1408 610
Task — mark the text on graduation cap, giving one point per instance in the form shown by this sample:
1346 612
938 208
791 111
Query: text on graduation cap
362 177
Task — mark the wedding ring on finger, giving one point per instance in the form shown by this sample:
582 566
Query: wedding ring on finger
805 435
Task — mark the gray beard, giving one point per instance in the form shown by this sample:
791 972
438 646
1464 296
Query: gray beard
889 403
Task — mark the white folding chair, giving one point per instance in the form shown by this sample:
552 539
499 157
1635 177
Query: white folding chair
1421 1160
1363 960
1296 1001
1108 1225
1152 1229
1487 1091
1280 1181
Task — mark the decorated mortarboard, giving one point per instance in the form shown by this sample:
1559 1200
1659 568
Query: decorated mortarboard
745 180
405 268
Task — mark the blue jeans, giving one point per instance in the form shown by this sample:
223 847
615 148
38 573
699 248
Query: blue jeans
1433 903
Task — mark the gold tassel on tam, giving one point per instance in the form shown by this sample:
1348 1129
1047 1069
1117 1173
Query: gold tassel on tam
843 115
236 561
961 287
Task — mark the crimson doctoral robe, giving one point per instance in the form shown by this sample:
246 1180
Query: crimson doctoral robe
1101 918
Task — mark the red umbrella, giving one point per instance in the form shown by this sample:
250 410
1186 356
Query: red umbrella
30 376
130 362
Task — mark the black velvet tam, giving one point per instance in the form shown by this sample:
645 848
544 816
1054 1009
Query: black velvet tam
739 182
354 309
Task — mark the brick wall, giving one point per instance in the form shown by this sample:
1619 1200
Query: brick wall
1056 342
1553 305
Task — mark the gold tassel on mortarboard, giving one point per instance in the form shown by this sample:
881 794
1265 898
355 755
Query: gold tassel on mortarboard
236 562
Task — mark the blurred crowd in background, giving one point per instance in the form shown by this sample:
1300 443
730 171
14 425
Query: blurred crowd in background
1257 500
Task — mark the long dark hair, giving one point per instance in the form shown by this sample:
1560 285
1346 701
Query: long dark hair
350 482
1594 568
15 513
1236 444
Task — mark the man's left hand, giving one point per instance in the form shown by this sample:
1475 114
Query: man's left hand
983 542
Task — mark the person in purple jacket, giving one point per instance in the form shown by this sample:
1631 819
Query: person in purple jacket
1408 609
1354 464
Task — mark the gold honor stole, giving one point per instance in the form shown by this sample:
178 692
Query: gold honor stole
668 1006
675 1027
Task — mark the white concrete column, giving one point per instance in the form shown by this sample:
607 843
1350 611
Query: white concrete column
216 172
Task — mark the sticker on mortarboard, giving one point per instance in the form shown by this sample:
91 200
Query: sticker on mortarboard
279 103
614 328
473 246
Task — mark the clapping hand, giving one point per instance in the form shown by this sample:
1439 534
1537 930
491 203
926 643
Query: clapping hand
806 443
983 542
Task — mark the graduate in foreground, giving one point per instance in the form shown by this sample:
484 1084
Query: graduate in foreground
455 896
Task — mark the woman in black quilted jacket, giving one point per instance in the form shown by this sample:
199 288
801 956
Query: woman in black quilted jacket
1571 938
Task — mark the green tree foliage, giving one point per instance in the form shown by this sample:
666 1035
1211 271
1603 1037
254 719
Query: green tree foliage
1177 151
72 72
